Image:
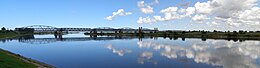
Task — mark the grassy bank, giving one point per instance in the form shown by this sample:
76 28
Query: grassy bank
11 60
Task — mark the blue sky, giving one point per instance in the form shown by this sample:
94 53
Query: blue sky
90 13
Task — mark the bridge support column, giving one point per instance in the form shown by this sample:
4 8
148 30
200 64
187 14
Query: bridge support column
58 36
58 33
93 32
140 32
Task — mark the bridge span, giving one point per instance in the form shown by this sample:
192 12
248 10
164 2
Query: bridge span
51 29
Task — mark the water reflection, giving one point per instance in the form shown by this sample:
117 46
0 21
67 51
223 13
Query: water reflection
141 52
33 40
119 52
146 57
143 57
30 39
212 52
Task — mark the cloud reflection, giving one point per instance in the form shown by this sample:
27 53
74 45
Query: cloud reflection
213 52
222 53
146 57
119 52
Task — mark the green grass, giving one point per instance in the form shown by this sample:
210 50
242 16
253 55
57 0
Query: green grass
9 61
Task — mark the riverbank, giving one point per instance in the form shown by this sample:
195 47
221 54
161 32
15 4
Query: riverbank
241 35
11 60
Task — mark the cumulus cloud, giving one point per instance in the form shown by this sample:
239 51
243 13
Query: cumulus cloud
231 14
146 8
251 16
170 13
189 11
119 12
223 8
234 13
203 8
199 17
145 20
226 8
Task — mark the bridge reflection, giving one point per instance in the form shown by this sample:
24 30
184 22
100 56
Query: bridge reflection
32 40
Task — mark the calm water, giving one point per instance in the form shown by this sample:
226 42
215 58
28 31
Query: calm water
80 51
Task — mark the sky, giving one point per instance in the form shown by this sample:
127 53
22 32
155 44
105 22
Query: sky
163 14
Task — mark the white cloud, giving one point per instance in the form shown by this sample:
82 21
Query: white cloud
190 10
146 20
158 18
242 14
251 16
119 12
203 8
229 14
182 10
169 10
226 8
146 8
200 17
140 4
247 19
170 13
187 12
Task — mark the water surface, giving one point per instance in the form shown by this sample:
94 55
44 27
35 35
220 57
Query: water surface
80 51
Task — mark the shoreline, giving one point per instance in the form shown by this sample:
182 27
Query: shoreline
38 64
175 35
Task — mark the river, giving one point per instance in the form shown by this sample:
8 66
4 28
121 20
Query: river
80 51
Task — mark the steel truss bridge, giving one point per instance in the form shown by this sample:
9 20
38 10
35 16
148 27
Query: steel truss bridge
44 28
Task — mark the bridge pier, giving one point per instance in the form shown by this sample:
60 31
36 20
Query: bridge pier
94 31
140 32
58 36
93 36
58 33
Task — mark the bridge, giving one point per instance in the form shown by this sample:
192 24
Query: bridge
51 29
44 28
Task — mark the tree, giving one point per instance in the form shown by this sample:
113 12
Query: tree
183 32
3 28
215 31
241 31
203 32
